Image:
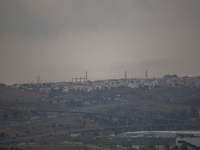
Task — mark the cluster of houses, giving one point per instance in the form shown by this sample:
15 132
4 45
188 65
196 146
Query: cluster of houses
160 139
166 81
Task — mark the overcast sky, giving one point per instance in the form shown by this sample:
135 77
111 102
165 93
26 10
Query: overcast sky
60 39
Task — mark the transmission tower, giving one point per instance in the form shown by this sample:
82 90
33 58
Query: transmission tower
86 76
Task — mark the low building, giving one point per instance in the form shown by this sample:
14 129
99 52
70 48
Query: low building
160 138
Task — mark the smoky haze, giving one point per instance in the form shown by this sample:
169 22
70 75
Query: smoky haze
61 39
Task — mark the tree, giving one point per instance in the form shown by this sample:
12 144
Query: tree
167 146
175 147
108 142
85 147
84 123
2 85
184 147
3 134
194 113
142 148
3 148
5 116
126 144
151 147
182 114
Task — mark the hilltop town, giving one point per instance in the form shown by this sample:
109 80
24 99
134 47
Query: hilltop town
128 113
78 85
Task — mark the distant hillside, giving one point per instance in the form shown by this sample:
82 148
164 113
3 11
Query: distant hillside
12 94
17 100
31 114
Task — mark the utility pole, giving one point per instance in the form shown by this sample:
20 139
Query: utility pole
146 74
38 79
125 75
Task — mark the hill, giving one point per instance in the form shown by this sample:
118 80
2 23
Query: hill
34 117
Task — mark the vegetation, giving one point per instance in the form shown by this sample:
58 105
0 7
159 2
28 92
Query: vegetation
127 144
184 147
26 118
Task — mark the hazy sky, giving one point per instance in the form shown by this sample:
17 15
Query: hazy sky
61 39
